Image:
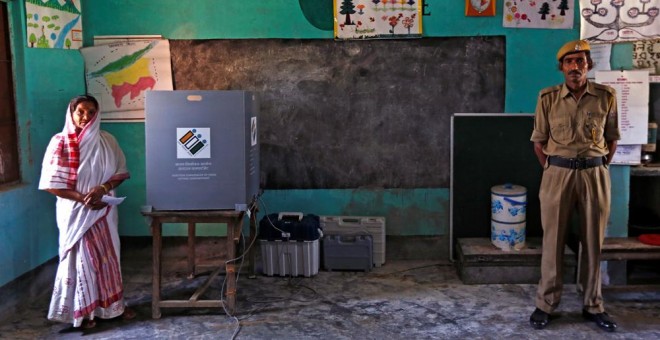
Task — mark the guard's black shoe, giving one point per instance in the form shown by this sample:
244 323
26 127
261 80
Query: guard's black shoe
539 319
603 320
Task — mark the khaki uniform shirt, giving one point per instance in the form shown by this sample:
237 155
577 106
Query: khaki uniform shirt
575 129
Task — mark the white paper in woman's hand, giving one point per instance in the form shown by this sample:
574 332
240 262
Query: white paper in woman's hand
111 200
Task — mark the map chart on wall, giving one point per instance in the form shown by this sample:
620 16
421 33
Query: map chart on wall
377 19
556 14
53 24
613 21
119 74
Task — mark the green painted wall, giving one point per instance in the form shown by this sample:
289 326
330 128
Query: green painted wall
47 79
408 212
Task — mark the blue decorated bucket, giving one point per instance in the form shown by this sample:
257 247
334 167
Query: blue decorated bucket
508 216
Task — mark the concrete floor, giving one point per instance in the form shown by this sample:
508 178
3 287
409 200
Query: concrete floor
400 300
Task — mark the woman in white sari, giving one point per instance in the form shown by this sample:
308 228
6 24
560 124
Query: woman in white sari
81 165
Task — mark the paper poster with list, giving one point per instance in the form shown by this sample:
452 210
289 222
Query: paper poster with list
632 95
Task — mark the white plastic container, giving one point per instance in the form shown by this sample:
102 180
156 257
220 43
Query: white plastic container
290 258
508 216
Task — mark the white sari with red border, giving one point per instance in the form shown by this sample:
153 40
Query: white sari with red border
88 282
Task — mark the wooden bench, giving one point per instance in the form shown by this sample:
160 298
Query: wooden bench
622 249
628 248
480 262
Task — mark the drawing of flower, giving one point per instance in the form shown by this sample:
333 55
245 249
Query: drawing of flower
393 21
409 22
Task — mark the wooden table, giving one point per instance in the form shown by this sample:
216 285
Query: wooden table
234 221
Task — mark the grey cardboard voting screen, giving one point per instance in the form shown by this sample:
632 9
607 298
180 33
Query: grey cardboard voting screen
202 149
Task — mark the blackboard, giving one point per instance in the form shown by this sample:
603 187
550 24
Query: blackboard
351 114
490 150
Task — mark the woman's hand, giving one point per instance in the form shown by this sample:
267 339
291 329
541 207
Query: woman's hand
97 206
93 197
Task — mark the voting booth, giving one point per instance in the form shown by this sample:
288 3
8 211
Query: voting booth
202 149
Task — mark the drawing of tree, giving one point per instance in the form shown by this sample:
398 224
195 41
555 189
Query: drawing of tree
67 43
33 39
42 42
545 10
563 6
347 8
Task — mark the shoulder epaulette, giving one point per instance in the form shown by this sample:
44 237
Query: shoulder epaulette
550 90
606 88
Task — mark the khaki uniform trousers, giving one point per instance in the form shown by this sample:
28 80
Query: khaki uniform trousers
562 191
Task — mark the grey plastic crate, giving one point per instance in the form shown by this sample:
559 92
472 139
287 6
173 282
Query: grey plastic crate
290 258
356 225
348 252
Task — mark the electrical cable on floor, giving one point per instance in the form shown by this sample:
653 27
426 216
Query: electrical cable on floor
414 268
238 273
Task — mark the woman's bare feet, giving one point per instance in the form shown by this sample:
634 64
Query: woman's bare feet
88 324
129 314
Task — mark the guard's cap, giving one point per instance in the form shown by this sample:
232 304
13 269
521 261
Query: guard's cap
573 47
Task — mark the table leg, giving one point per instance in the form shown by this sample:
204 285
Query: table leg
156 229
253 235
230 268
191 250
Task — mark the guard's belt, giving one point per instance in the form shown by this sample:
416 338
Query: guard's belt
575 163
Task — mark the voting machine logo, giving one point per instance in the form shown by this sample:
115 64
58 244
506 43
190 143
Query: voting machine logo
193 143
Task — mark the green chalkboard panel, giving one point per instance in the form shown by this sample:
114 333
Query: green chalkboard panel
489 150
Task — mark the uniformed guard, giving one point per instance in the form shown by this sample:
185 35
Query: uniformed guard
575 136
